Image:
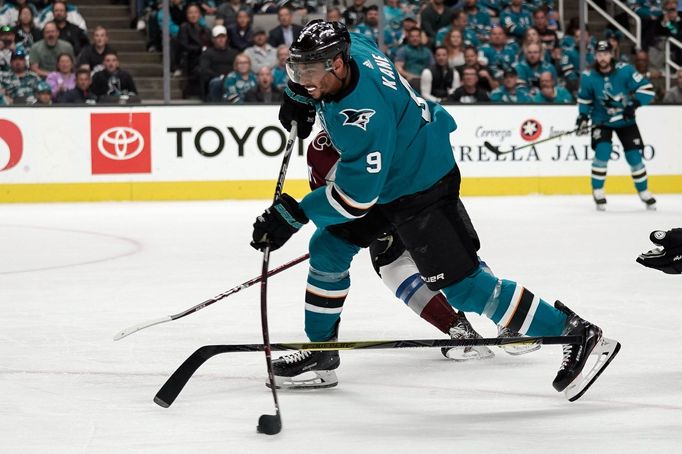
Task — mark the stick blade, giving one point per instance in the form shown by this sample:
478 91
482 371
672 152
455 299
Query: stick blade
135 328
492 148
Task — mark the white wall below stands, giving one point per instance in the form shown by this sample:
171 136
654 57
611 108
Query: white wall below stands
216 152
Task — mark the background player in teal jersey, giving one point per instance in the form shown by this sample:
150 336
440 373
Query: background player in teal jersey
396 158
609 94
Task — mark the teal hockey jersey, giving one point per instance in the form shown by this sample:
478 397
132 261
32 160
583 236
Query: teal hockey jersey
604 96
391 141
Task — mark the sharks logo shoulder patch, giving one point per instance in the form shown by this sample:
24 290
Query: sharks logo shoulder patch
358 118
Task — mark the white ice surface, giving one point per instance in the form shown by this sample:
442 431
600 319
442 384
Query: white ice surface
72 275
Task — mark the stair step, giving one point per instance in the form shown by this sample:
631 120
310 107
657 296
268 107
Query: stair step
101 11
151 83
129 46
121 34
110 23
80 3
143 69
127 58
158 94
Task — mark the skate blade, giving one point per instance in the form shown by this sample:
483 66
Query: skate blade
605 350
461 354
601 207
520 349
320 379
651 207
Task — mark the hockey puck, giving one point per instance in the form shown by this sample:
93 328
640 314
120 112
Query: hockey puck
269 424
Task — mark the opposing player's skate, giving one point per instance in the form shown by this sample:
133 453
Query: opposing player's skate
462 329
570 378
648 199
599 197
515 349
306 370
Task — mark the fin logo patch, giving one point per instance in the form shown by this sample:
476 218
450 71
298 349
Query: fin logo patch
358 118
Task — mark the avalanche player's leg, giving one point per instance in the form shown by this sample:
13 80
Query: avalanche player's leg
328 285
399 273
430 228
632 144
601 144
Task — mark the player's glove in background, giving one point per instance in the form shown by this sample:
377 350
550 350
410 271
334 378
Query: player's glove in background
668 257
276 225
629 111
582 124
297 106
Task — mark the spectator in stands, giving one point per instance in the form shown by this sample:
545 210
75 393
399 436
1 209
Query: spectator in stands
674 95
239 81
370 27
655 76
500 54
355 14
460 20
63 78
614 37
175 19
19 83
193 39
81 93
27 32
548 37
531 66
240 34
286 32
393 12
112 81
261 53
43 94
572 41
516 18
69 32
7 47
670 25
279 72
208 7
215 63
469 92
474 59
333 14
6 14
510 91
550 92
396 36
226 13
434 17
72 15
478 19
264 91
439 80
454 44
566 63
533 36
44 53
92 56
412 58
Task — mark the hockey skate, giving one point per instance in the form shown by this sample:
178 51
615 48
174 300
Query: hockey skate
570 378
599 199
648 199
306 370
515 349
462 329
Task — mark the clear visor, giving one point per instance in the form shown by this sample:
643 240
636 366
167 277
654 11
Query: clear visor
308 73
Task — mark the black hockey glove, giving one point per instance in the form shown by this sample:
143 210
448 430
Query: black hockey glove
629 111
667 258
297 106
276 225
582 124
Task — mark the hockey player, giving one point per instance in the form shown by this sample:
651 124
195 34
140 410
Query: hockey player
391 262
396 159
668 256
609 94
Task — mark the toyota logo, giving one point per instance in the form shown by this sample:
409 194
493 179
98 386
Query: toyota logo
120 143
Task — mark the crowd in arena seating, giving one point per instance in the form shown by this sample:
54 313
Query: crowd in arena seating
47 56
458 51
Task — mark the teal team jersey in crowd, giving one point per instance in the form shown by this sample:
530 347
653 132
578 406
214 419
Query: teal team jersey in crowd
499 60
604 96
235 86
561 96
501 94
392 142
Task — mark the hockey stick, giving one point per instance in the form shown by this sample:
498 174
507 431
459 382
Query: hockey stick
272 424
157 321
496 149
176 382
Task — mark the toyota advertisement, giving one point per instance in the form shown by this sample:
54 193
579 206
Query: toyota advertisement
243 145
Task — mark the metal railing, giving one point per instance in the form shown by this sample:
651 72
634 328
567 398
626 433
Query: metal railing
669 63
636 38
